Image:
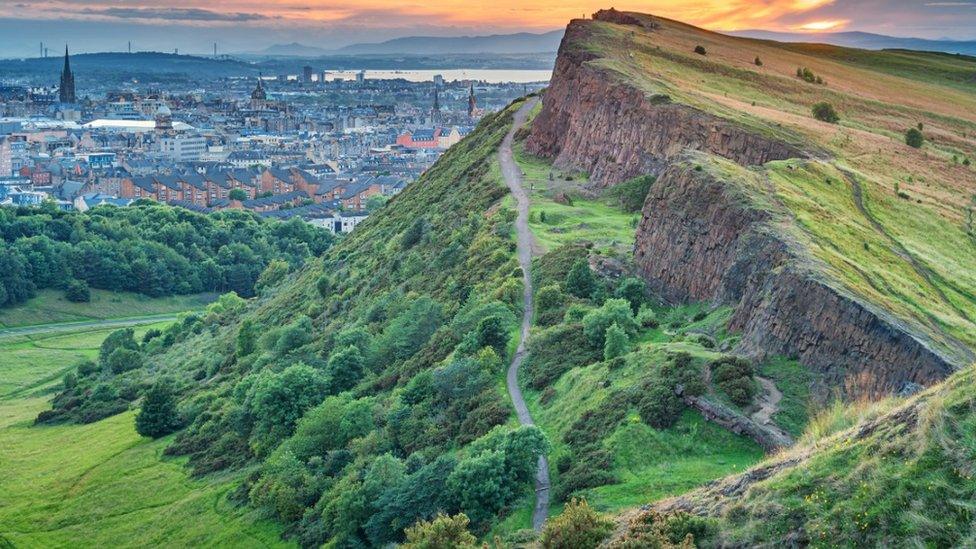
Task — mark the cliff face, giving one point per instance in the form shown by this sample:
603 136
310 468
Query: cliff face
614 131
699 239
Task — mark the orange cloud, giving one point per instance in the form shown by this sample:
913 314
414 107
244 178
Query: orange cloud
820 26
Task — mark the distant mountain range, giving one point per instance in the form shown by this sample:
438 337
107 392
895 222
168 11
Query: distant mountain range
518 43
864 40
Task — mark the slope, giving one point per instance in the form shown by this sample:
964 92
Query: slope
760 206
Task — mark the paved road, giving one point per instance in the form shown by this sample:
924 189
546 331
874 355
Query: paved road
513 178
75 326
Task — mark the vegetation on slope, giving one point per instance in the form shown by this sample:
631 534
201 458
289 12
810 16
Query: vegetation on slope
148 248
867 206
365 391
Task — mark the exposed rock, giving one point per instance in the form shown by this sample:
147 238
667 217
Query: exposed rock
613 16
769 437
699 239
613 131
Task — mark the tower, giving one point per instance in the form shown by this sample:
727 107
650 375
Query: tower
67 81
259 98
472 102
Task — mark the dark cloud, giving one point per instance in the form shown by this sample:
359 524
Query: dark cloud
174 14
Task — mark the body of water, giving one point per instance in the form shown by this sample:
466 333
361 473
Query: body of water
493 76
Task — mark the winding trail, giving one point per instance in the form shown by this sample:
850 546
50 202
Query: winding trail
768 402
513 178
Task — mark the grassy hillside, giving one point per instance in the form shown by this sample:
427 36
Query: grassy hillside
892 223
50 306
99 484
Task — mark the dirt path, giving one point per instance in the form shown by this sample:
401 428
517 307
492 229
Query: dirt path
768 402
513 178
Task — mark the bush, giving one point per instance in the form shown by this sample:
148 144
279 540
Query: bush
630 194
443 532
579 526
758 62
324 286
634 290
77 291
658 406
734 376
158 416
491 333
825 112
613 311
616 343
122 360
914 138
700 50
580 281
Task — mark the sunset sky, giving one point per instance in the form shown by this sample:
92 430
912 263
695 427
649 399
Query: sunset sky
105 24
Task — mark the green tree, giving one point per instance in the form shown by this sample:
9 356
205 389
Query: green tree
158 416
634 290
237 194
825 112
247 338
580 281
579 526
119 339
491 333
77 291
914 138
413 234
616 343
613 311
345 369
443 532
274 401
122 360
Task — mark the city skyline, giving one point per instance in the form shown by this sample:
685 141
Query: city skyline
247 25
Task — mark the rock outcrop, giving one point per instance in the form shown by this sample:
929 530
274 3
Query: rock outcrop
614 131
700 239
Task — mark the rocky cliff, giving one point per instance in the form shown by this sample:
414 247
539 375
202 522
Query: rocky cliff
613 131
700 239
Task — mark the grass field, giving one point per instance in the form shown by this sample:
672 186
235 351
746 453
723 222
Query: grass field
99 485
50 306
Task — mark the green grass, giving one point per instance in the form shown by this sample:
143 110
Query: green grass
609 228
50 306
654 464
793 380
101 484
33 364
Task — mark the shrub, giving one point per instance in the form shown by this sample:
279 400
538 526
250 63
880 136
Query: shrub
158 416
733 375
443 532
758 62
630 194
646 318
77 291
579 526
616 343
549 302
914 138
272 275
613 311
491 333
580 281
122 360
413 234
700 50
345 369
658 406
324 286
825 112
634 290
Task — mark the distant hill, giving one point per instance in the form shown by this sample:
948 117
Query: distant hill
865 40
523 42
93 68
294 49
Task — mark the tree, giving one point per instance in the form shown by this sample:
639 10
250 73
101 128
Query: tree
616 343
237 194
634 290
345 369
700 50
579 526
443 532
613 311
914 138
413 234
77 291
758 62
274 401
158 416
122 360
324 285
580 281
247 338
491 333
825 112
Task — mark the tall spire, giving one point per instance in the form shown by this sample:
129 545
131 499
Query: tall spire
67 92
472 102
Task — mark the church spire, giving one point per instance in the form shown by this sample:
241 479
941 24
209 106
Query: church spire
67 92
472 102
